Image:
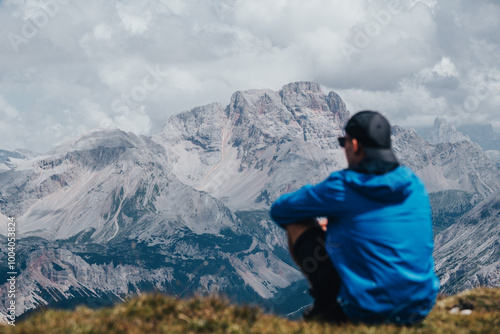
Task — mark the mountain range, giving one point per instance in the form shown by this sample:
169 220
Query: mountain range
185 211
482 134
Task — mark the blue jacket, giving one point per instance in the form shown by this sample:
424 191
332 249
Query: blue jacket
379 238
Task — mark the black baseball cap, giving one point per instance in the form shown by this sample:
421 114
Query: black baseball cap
373 131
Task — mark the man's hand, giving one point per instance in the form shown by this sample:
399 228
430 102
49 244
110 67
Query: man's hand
322 222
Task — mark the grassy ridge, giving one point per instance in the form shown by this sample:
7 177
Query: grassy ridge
161 314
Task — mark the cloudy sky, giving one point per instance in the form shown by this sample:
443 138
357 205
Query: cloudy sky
67 67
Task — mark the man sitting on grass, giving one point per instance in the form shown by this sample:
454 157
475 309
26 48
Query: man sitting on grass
374 262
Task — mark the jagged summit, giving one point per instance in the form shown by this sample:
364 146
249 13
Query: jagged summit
98 138
262 140
302 86
310 93
294 96
445 132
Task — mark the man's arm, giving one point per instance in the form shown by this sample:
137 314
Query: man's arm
322 200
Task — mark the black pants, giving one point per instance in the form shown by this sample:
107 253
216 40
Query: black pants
309 250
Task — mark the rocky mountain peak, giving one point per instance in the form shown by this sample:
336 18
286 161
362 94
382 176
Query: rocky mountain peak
445 132
301 87
304 94
108 138
307 100
263 138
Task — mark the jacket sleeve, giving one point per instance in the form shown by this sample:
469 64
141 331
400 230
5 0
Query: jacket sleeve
322 200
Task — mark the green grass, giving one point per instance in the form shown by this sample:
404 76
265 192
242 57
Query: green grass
161 314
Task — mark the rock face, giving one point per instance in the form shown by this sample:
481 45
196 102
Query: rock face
468 252
262 144
111 214
445 132
494 156
106 184
6 158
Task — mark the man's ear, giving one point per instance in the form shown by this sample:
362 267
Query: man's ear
356 146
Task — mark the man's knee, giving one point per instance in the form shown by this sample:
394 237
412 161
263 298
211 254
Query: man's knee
294 231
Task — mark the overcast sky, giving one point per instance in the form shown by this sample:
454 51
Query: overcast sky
67 67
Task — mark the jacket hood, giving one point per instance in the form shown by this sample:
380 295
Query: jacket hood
393 186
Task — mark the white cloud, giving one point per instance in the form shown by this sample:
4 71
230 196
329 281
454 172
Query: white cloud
445 68
11 124
103 31
7 111
133 17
